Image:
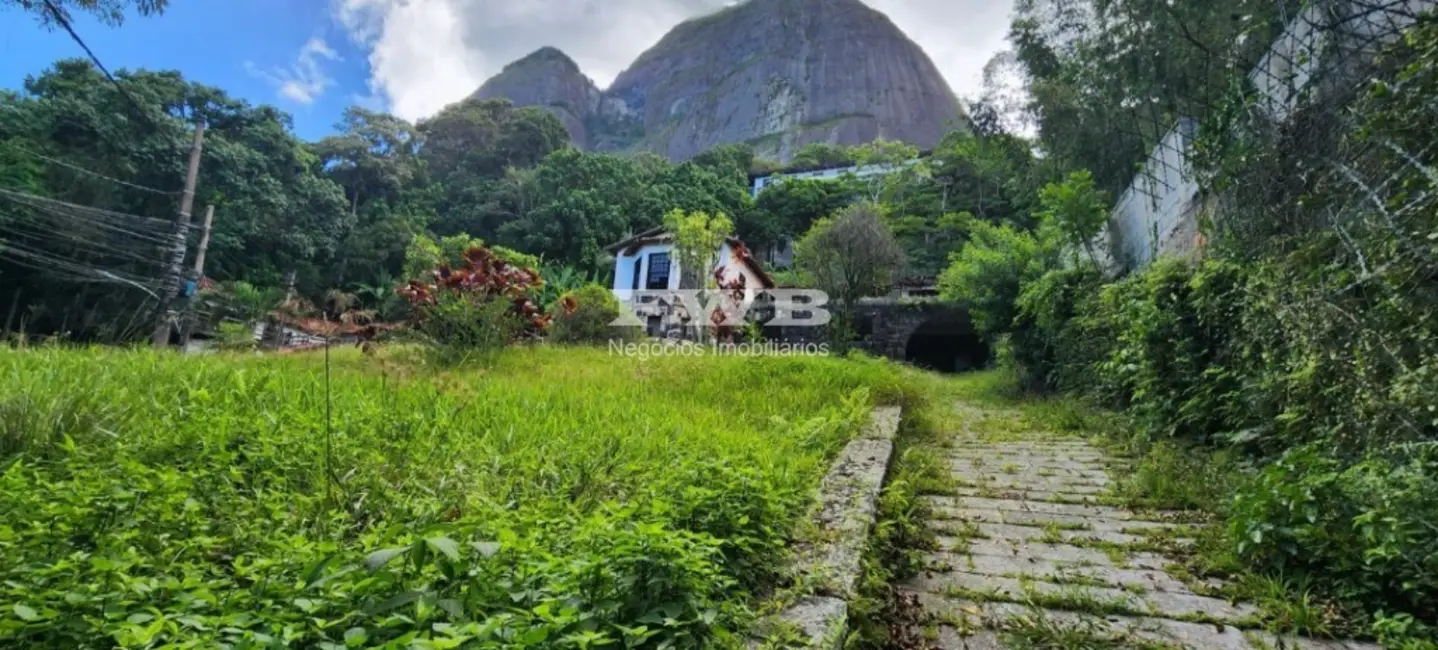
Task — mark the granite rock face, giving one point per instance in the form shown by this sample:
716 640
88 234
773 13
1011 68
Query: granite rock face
550 79
777 74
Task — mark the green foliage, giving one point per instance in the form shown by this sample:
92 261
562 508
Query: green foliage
459 329
1056 339
1362 530
564 498
790 207
559 280
697 238
276 211
584 316
851 255
470 310
1076 209
249 303
904 170
479 139
109 12
235 337
987 275
1103 93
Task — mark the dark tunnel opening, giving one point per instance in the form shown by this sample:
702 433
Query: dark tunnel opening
947 345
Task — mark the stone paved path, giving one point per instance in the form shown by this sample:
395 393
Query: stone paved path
1028 540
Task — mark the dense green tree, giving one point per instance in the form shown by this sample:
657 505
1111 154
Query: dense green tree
583 202
481 138
1108 78
989 273
1076 210
375 156
851 255
787 209
275 211
469 148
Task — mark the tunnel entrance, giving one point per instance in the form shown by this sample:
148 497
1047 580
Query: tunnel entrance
947 344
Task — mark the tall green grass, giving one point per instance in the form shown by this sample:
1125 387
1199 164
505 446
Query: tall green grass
561 498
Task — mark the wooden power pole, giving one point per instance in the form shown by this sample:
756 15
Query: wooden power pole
175 263
187 321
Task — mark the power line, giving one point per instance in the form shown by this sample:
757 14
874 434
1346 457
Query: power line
91 173
65 23
52 205
68 270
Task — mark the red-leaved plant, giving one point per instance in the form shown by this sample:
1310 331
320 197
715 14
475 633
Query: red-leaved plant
481 277
733 290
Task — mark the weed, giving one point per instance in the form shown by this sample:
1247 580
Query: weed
559 492
1038 631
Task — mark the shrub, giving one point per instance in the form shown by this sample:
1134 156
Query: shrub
585 316
988 274
235 337
1052 346
473 311
1363 530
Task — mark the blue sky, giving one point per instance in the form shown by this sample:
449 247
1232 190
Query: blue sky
313 58
250 48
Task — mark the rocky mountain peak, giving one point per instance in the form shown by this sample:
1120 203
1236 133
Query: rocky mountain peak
776 74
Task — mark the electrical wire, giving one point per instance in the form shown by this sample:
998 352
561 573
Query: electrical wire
116 242
91 173
65 24
49 204
67 270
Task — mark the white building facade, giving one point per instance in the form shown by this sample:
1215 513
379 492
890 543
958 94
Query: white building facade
647 263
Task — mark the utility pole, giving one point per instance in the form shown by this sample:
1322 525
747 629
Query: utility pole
174 265
192 288
276 333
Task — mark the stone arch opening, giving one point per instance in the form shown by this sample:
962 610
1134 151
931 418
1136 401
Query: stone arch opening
947 343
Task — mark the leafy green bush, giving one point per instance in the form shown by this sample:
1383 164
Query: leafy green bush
470 312
1364 530
584 316
236 337
459 330
988 274
1051 342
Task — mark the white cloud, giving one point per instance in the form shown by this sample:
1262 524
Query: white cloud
425 54
304 81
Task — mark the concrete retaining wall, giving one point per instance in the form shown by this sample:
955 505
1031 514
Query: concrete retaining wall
848 506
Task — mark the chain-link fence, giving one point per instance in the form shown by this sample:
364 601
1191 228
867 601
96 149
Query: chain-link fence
1264 139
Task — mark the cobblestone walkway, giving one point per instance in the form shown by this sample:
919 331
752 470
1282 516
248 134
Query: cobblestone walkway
1027 542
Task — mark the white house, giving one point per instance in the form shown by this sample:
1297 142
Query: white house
647 262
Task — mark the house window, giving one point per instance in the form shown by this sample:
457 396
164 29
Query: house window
635 283
658 271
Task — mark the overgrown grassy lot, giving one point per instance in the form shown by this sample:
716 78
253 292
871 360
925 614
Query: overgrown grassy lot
561 498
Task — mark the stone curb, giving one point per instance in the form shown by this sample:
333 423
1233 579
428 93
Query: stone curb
848 506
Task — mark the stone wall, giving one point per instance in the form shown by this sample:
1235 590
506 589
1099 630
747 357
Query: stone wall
848 507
